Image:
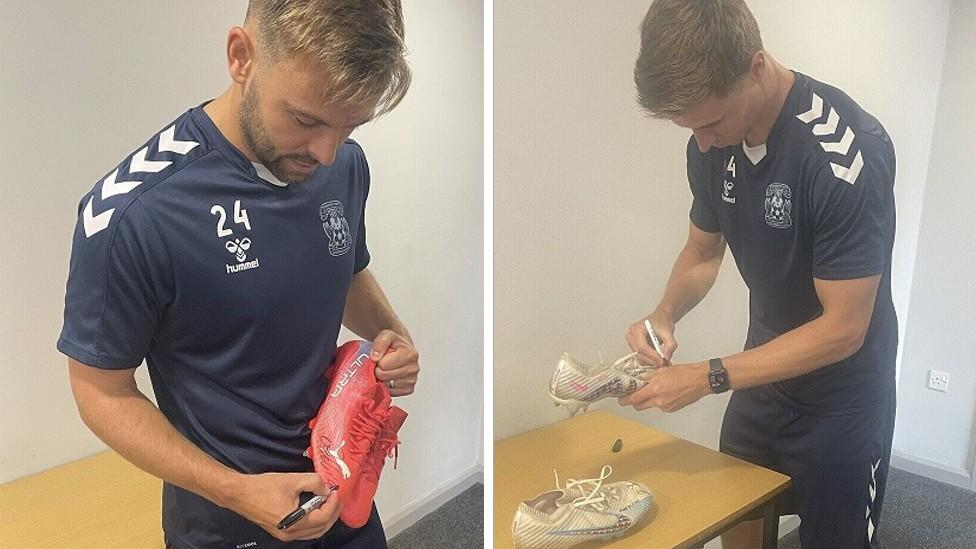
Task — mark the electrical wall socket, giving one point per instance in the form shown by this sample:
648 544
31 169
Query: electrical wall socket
939 381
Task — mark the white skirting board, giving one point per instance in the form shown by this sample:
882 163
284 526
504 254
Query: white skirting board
930 469
429 502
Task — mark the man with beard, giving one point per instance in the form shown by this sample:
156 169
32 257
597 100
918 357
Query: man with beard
226 252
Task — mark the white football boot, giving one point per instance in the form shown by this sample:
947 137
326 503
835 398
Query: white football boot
576 385
584 510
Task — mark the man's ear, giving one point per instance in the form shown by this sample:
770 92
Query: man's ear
240 55
758 65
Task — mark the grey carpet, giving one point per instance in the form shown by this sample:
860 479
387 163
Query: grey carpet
920 513
458 524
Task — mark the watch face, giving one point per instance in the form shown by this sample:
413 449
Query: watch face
719 381
718 377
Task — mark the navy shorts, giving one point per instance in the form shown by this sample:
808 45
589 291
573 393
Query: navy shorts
838 463
199 524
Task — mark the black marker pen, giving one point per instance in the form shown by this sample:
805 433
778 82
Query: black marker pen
302 510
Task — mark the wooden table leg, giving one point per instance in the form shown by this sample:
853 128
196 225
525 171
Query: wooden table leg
770 525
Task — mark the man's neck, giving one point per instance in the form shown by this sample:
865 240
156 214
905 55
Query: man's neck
223 111
780 81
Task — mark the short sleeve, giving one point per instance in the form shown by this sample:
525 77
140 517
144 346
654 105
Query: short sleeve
854 221
362 250
116 290
703 213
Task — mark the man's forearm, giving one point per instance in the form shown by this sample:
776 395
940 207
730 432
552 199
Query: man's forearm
367 311
132 426
692 276
836 334
818 343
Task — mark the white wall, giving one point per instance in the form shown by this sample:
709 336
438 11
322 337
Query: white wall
936 429
82 83
590 209
426 229
591 199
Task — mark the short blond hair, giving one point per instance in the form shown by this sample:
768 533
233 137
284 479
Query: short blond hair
690 50
357 45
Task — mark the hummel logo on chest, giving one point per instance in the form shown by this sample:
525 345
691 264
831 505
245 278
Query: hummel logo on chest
246 266
728 188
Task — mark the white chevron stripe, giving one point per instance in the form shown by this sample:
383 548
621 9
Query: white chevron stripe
828 127
816 110
168 142
95 223
849 174
140 164
872 486
841 146
111 187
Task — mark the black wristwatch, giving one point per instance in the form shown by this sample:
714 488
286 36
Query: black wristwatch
718 377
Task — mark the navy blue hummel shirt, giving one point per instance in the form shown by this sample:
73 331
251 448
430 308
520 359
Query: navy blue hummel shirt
229 283
816 201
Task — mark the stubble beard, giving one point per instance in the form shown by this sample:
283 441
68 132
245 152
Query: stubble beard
259 140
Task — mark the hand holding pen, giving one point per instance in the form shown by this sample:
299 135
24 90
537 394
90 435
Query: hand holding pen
655 341
289 506
302 510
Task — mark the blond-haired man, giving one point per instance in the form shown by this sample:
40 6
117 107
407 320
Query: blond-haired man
226 252
797 180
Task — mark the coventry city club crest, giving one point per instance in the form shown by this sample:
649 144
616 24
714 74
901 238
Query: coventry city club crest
778 206
336 227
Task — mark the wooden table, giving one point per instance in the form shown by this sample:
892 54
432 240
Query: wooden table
698 492
100 502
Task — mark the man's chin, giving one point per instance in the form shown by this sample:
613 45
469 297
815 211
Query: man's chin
290 176
296 178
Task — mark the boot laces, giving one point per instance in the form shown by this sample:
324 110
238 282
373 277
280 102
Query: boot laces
385 445
364 427
595 495
630 365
